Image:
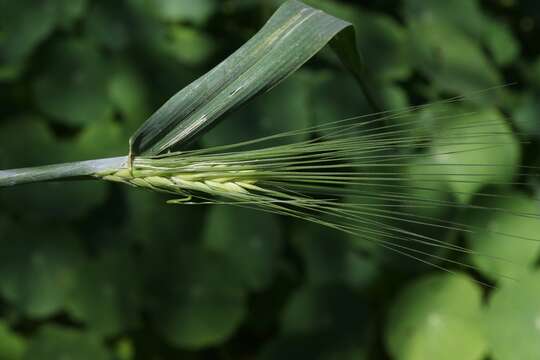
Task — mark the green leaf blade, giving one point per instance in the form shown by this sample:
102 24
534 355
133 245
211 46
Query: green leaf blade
294 34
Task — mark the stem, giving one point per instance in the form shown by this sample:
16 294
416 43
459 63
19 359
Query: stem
60 171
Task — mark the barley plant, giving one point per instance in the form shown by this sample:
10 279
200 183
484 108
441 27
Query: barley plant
388 181
348 175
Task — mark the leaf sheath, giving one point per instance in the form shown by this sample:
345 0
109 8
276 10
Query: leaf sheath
60 171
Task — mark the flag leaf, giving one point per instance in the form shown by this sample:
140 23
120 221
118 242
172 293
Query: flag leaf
294 34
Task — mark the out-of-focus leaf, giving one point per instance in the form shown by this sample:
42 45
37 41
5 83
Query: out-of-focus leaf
499 239
54 343
467 17
37 272
333 310
458 152
144 227
432 199
381 40
198 301
331 259
452 61
54 201
188 45
513 319
385 46
533 74
437 317
129 96
197 12
39 145
106 297
108 22
5 224
502 44
318 347
464 15
259 65
73 89
100 139
526 114
68 11
321 322
236 234
12 346
125 350
23 25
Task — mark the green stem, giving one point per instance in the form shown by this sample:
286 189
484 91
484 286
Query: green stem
60 171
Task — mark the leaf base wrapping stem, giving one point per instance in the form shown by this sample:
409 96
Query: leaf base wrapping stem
61 171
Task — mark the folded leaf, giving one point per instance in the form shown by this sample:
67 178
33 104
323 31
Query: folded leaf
294 34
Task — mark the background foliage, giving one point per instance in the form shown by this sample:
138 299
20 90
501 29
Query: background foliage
98 271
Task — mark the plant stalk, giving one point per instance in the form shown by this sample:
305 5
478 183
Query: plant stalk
65 171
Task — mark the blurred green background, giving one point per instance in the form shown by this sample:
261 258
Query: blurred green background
97 271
